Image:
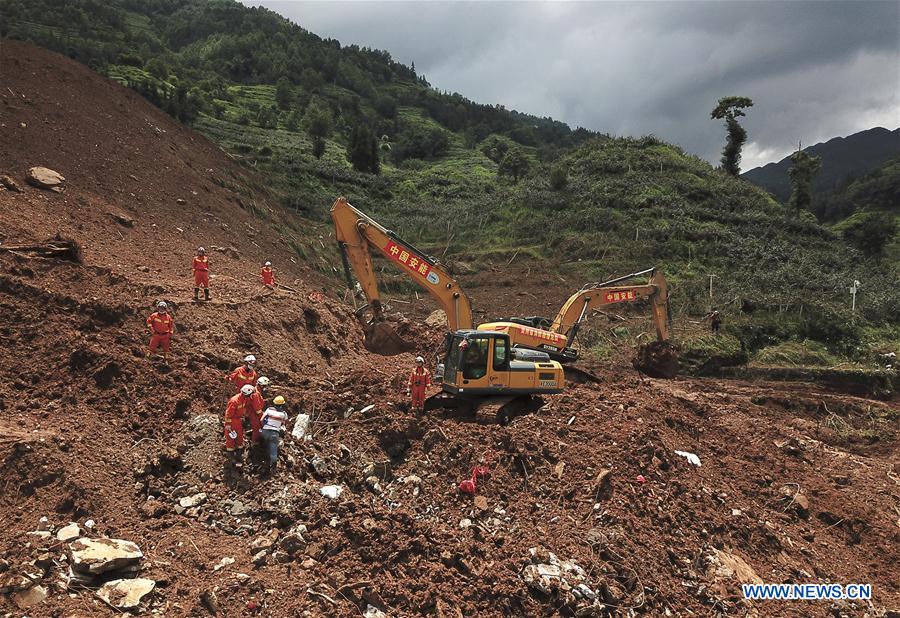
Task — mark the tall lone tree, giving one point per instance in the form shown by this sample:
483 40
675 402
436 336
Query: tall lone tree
318 125
804 169
514 163
284 93
730 109
362 150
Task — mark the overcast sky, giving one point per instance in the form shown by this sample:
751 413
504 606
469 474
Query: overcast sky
814 70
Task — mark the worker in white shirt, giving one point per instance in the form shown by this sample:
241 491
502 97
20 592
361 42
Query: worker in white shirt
273 421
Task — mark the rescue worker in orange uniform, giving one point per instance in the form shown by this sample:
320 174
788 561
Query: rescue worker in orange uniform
239 407
245 374
201 274
419 379
267 275
162 326
259 404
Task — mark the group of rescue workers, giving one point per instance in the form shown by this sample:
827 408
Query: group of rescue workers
248 403
162 324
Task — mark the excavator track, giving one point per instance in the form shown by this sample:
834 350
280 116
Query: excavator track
580 375
500 409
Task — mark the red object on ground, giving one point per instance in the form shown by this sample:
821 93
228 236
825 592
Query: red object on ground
470 485
641 479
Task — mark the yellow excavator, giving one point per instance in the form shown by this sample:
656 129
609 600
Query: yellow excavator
483 371
507 350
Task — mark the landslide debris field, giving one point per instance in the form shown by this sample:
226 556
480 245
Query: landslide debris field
797 483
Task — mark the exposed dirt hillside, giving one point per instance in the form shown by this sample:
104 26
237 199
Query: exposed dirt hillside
797 484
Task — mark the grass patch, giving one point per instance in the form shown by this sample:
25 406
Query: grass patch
795 354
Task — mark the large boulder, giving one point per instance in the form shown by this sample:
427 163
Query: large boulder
45 178
94 556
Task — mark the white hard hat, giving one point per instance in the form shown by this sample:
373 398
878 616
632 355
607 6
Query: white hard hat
249 359
268 263
162 305
263 381
247 390
201 250
419 359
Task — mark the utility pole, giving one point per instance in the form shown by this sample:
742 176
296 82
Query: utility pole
853 289
710 285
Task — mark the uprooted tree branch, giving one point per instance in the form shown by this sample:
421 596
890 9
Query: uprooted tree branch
54 248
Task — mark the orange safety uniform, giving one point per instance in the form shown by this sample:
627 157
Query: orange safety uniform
162 325
238 407
418 380
258 404
268 276
201 272
241 376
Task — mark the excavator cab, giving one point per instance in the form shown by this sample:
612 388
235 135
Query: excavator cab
484 363
484 373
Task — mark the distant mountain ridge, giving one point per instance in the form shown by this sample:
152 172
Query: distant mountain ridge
844 159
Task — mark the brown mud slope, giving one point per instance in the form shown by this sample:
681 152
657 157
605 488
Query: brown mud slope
796 485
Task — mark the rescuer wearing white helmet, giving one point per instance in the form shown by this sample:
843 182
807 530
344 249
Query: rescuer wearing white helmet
259 403
200 267
267 274
162 327
245 374
419 380
239 407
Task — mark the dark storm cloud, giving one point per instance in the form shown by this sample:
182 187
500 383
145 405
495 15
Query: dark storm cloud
813 69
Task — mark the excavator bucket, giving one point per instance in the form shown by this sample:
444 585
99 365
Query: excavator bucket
658 359
381 338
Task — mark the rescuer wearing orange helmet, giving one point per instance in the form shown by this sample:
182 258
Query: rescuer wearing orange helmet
419 379
267 275
162 326
201 274
245 374
239 407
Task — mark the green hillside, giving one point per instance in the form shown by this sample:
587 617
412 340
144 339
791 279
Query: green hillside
475 182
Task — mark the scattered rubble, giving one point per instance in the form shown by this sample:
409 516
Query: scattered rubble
692 458
126 593
30 597
68 533
331 491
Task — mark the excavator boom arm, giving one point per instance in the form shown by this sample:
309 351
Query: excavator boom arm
356 233
591 297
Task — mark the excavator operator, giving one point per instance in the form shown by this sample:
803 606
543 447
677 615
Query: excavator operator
474 359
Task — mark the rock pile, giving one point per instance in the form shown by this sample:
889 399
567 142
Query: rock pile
564 579
108 564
